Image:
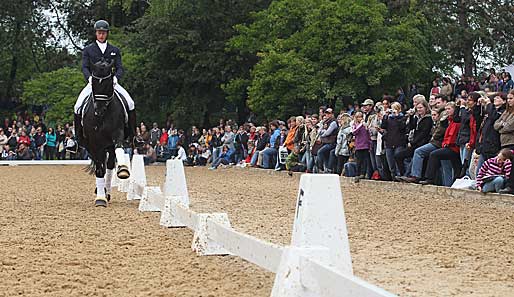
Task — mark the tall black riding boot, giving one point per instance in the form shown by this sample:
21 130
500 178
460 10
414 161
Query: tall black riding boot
131 133
79 133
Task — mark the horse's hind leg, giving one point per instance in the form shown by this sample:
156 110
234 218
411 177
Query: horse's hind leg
101 199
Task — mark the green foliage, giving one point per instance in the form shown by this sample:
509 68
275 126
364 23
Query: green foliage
58 90
316 51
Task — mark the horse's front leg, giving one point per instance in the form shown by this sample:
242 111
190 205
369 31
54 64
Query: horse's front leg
123 169
111 160
101 198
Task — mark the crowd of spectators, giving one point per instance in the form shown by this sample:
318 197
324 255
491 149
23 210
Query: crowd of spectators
464 128
26 137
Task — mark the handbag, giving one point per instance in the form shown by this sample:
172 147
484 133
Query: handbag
464 183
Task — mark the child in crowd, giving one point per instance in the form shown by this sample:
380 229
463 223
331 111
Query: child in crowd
362 143
494 172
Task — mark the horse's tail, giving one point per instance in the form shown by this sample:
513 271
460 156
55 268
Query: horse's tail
91 168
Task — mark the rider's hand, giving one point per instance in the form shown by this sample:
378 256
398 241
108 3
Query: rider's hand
114 80
90 80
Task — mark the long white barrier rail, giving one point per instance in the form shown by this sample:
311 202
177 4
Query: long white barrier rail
318 261
45 162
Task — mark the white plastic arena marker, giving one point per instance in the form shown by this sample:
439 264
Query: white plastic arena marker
302 274
137 180
320 219
115 181
120 157
175 184
150 199
169 213
202 244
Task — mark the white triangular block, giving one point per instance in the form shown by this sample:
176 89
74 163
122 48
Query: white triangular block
289 279
150 201
115 181
175 184
202 244
137 178
320 219
169 215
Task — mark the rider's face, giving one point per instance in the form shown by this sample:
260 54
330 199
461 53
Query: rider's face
101 36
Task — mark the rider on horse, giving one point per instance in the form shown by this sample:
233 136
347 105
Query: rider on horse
93 53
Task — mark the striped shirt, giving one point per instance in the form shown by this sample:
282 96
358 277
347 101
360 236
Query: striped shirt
492 167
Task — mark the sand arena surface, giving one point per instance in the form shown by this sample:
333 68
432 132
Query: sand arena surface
53 242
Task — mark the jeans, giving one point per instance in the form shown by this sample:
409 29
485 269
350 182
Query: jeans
494 186
420 154
216 152
268 157
390 153
373 155
255 156
219 161
464 154
308 160
402 158
323 156
447 172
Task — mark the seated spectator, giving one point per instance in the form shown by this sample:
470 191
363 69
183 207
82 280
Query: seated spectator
163 140
252 140
24 138
150 154
162 152
421 153
225 157
203 155
240 145
23 152
192 156
420 126
270 153
448 151
216 143
262 143
494 172
181 154
7 153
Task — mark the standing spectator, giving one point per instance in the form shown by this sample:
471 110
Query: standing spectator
216 143
51 144
195 135
367 109
374 123
328 137
466 138
241 145
400 98
252 140
270 153
435 88
394 133
488 139
505 126
341 153
155 134
413 92
163 140
262 141
508 83
228 137
61 136
362 144
24 138
40 141
3 140
145 135
314 143
173 142
446 89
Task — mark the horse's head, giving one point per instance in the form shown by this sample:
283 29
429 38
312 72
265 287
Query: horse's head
102 83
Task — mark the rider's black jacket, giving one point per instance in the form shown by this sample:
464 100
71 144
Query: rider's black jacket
93 54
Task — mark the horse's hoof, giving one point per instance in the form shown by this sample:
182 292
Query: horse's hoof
123 172
100 202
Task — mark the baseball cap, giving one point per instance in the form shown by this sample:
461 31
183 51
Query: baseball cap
368 102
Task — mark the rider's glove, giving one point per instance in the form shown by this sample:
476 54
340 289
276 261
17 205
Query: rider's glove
90 80
114 80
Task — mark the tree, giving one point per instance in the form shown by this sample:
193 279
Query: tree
469 32
57 90
181 51
314 51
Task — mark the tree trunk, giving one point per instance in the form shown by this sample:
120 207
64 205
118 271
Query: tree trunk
14 63
467 44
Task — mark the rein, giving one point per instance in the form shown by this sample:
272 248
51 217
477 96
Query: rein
101 78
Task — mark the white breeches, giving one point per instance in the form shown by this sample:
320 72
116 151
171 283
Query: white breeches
88 89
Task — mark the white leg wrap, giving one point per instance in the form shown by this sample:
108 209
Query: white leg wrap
100 187
120 157
108 179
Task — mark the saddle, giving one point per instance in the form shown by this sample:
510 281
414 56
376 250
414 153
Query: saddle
119 96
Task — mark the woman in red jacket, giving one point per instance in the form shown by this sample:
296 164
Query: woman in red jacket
448 151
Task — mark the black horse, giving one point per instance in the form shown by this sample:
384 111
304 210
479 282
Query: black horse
104 119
